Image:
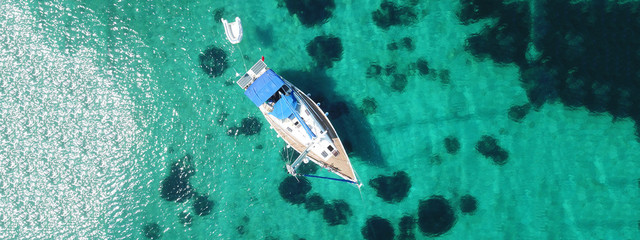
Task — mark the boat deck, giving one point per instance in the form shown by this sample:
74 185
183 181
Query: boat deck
338 164
338 160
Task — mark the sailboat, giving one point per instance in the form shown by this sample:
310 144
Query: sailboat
299 121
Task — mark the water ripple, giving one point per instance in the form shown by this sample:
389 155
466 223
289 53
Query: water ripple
68 128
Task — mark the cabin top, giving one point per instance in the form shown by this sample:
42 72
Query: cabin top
264 87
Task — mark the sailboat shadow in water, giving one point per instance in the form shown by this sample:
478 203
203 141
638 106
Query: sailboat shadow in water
350 124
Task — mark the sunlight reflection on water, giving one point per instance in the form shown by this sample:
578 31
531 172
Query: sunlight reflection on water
67 133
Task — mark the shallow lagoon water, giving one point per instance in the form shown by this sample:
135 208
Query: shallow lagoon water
99 100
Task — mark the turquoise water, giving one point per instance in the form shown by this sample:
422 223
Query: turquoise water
98 99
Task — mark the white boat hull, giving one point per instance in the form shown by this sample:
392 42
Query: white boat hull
233 30
298 120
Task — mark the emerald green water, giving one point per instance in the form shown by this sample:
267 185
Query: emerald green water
98 99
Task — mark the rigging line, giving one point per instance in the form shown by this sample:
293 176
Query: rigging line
233 50
286 152
359 185
329 178
242 57
290 153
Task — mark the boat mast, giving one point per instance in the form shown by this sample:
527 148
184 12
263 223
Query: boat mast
294 166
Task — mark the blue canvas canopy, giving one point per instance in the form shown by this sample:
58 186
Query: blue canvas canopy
268 84
264 87
285 107
281 109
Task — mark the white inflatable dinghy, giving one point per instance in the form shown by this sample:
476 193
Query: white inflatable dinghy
233 30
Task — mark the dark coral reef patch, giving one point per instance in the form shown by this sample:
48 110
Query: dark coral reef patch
493 42
407 43
445 76
369 106
374 70
406 225
518 112
325 50
435 159
435 216
249 126
337 213
392 189
314 202
392 46
202 206
242 229
390 69
311 12
186 219
176 186
474 10
468 204
218 13
152 231
488 147
423 66
222 118
399 82
213 61
294 190
377 228
389 14
583 53
452 144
